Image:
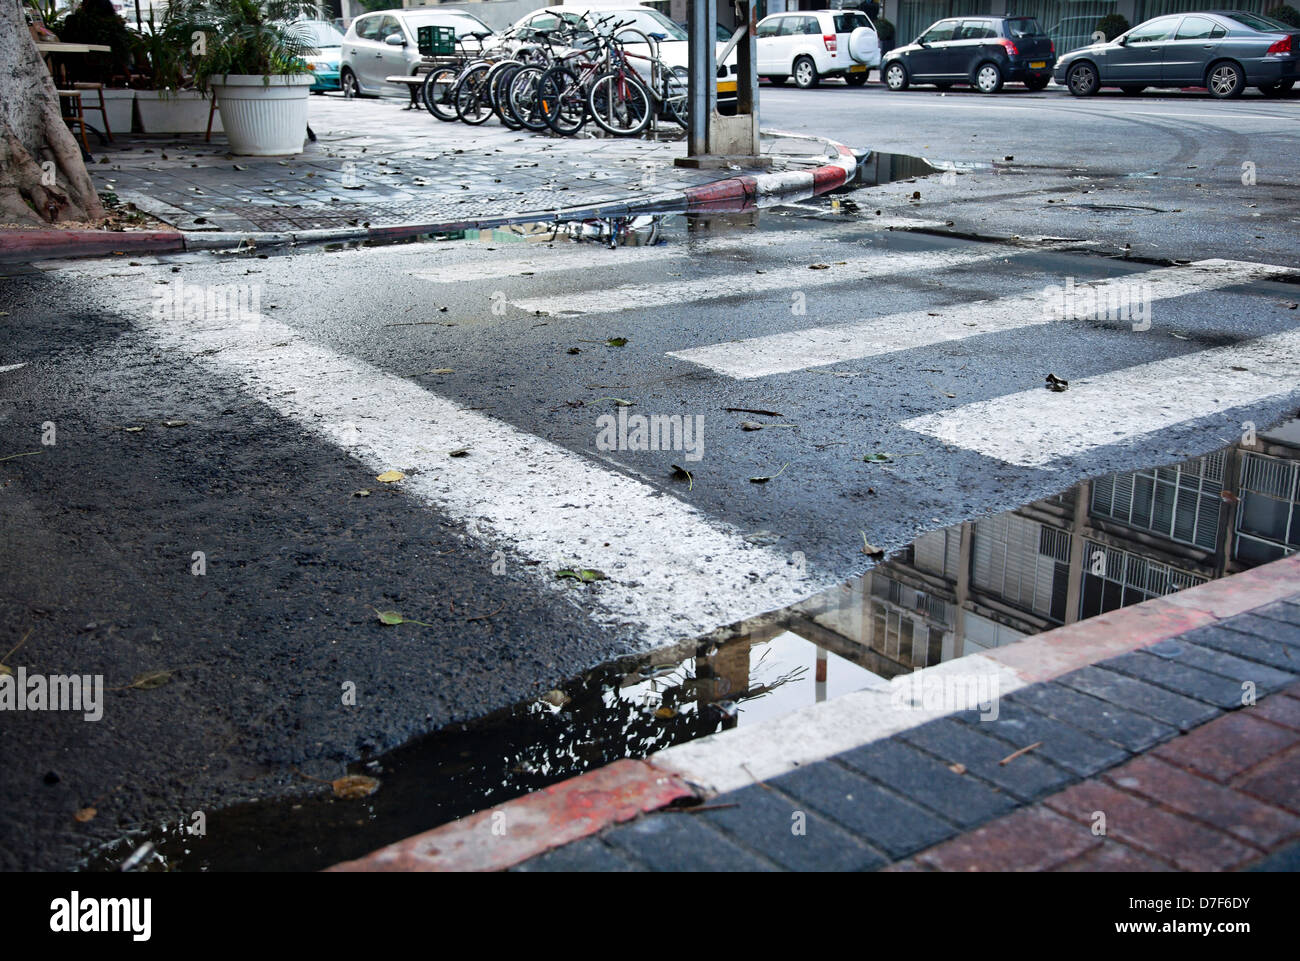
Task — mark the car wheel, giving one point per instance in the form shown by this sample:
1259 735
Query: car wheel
805 73
1082 79
348 84
855 79
1132 90
896 76
1037 83
1225 79
988 78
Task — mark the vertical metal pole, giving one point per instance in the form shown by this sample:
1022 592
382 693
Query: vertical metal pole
746 62
703 80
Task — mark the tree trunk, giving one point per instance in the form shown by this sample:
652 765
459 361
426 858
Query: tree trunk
42 176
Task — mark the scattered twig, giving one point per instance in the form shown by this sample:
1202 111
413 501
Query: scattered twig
484 617
753 410
12 456
703 807
1015 754
14 650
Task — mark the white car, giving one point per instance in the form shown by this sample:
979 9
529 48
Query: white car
672 38
385 44
812 44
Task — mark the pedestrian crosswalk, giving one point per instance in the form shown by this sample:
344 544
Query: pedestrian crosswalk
822 346
557 503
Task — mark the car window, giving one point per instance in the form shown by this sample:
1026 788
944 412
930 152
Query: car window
1195 28
811 26
770 28
975 30
1265 24
939 32
1018 27
387 27
790 26
1153 31
367 27
848 22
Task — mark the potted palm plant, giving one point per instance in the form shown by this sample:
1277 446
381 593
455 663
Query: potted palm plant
252 56
167 102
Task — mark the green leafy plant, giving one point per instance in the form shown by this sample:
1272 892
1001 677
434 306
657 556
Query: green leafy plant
164 46
1112 25
1285 13
248 37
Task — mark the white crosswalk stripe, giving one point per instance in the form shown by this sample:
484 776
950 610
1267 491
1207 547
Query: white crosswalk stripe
820 346
789 279
673 572
1033 428
503 263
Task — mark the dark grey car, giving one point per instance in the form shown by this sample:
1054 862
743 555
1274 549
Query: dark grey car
1223 51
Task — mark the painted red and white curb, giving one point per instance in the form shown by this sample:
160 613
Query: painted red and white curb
38 244
734 193
510 833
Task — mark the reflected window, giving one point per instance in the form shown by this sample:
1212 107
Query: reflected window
1268 518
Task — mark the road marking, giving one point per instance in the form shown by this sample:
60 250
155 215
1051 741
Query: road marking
1207 116
820 346
786 279
1032 428
673 572
586 256
9 367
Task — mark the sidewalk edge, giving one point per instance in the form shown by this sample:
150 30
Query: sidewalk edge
582 805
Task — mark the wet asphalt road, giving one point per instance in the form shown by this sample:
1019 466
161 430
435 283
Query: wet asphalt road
100 528
1173 174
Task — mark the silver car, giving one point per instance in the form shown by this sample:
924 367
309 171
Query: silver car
385 44
1223 51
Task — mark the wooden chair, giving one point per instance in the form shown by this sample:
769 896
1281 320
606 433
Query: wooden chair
79 117
102 108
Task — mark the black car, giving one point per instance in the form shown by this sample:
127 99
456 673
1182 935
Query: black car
984 52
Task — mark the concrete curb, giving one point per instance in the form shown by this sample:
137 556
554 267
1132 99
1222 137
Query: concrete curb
735 193
23 244
509 833
733 759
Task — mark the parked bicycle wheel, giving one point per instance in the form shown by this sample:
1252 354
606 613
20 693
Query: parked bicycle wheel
619 103
677 99
562 101
473 103
498 84
435 93
523 98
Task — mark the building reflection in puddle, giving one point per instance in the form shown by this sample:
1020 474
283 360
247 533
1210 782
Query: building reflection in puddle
1103 544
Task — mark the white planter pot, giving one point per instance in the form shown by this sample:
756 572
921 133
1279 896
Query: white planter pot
120 105
264 119
175 111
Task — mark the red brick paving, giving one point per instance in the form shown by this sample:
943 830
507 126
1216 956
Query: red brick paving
1228 745
1030 839
1219 798
1277 782
1185 843
1196 797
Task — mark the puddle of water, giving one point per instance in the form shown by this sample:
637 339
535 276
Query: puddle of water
1100 545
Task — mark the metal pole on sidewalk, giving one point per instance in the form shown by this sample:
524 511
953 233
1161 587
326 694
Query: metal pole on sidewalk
702 82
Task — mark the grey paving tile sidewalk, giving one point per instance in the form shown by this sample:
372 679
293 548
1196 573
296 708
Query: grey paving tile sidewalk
945 782
377 163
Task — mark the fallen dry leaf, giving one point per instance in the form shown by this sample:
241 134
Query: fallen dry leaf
354 786
85 814
390 477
